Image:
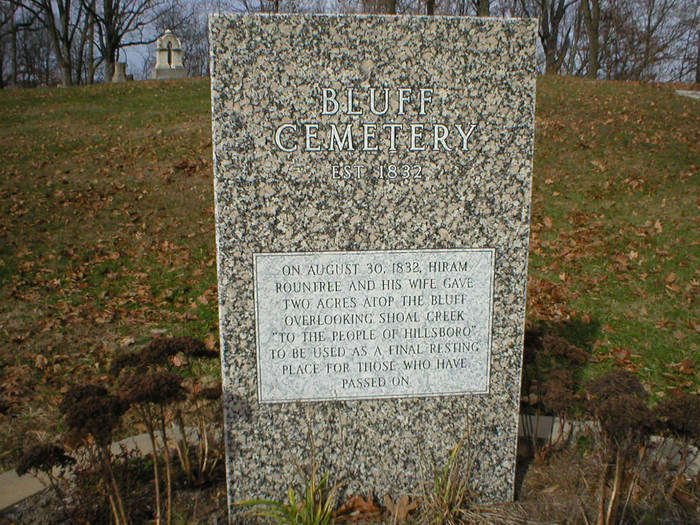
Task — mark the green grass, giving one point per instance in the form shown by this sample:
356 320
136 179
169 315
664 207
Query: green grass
108 228
107 233
615 220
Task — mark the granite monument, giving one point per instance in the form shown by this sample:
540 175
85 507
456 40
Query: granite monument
372 187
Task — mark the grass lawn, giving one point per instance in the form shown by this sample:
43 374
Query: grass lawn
107 232
615 241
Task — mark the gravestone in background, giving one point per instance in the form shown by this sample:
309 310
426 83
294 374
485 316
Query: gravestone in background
372 178
168 58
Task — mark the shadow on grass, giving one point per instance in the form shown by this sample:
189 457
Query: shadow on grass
555 355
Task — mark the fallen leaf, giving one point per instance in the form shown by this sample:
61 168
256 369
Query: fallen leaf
178 361
598 165
126 341
622 354
679 335
357 508
210 341
402 508
608 329
40 362
684 367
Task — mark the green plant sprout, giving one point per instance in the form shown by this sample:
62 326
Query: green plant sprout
315 508
448 493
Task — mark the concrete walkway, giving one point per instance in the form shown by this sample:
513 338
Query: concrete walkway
691 94
15 488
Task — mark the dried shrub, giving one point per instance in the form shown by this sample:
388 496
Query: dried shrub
144 391
89 496
43 458
158 387
617 383
681 417
626 419
79 393
95 416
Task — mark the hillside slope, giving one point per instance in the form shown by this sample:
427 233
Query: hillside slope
107 233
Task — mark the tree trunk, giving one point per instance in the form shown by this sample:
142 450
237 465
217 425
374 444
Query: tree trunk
109 69
91 48
697 63
483 8
591 17
571 64
66 76
2 67
429 7
551 60
391 7
13 51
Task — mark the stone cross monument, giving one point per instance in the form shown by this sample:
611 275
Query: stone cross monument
169 57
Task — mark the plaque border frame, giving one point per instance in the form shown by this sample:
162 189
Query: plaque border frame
255 255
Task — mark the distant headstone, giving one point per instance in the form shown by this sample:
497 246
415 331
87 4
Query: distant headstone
119 72
372 178
168 57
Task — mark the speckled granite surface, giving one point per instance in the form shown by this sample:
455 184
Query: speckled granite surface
277 191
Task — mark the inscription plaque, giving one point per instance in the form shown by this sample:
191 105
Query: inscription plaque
362 325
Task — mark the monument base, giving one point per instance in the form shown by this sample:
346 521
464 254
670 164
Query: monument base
169 73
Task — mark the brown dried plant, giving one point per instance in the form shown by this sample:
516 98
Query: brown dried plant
92 415
52 461
617 402
149 394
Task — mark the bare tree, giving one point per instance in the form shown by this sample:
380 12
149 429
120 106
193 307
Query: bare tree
639 38
87 63
551 27
8 44
684 51
119 24
379 6
483 7
62 20
35 61
590 9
